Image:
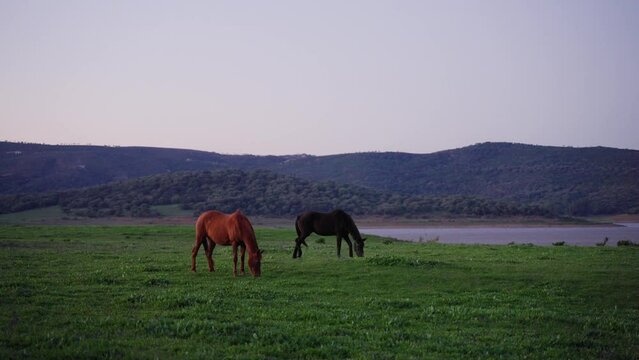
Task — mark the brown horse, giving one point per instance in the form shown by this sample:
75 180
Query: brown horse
336 222
213 227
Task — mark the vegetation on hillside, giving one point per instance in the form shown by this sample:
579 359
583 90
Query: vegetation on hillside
257 193
570 181
36 168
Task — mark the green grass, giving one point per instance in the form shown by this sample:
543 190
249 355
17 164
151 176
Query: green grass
126 291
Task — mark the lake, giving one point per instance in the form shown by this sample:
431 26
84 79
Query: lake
571 235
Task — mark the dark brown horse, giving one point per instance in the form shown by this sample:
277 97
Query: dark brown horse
213 227
336 222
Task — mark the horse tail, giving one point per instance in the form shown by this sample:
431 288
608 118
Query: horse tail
200 233
297 251
299 231
297 227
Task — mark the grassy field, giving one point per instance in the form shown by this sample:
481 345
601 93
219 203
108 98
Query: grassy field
127 292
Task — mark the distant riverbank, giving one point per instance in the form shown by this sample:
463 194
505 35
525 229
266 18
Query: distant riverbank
503 235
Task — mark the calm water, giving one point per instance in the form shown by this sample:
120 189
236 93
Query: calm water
577 235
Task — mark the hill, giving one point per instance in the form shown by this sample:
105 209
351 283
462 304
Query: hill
34 168
256 193
575 181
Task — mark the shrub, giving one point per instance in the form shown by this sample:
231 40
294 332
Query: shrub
626 243
393 260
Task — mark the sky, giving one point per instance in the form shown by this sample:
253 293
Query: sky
320 77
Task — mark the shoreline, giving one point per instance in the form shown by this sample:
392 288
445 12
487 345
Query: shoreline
505 222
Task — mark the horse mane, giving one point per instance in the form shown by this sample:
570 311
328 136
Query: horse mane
242 229
348 221
353 228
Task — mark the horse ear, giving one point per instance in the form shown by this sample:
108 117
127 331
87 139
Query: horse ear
363 239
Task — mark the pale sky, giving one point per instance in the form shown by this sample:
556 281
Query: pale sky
320 77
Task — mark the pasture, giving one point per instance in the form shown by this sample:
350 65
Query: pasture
128 292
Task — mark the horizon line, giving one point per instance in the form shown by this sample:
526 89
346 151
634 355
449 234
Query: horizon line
307 154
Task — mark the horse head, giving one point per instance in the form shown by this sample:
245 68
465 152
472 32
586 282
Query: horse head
255 263
359 246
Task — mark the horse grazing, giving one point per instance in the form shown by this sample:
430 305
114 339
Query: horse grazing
213 227
336 222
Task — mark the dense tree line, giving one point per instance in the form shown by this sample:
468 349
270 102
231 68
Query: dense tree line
257 193
564 180
571 181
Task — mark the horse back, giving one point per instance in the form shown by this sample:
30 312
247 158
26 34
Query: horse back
214 225
319 223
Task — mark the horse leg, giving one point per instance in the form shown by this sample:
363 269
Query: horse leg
297 252
339 245
350 245
297 245
209 255
242 251
196 248
234 259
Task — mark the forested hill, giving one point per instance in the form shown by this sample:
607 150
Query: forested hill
33 168
576 181
256 193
